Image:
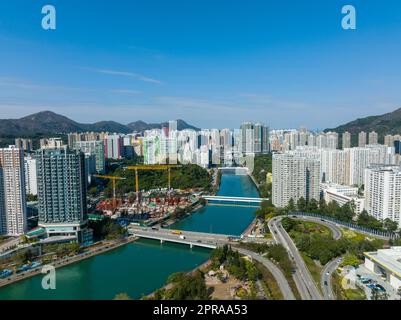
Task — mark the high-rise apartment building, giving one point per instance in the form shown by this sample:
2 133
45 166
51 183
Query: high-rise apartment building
113 145
62 192
373 138
261 138
96 148
346 140
51 143
248 138
255 138
13 214
24 144
362 139
383 192
332 140
294 177
31 180
86 136
359 159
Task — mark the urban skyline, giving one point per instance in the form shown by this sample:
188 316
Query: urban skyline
268 168
319 73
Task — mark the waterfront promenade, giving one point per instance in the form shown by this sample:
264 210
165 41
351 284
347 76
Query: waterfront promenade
99 249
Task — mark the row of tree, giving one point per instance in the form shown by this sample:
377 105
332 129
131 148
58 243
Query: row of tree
188 176
345 213
323 247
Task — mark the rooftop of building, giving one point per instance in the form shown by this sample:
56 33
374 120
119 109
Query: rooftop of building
387 258
384 167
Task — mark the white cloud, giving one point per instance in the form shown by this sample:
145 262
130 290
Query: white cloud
126 91
125 74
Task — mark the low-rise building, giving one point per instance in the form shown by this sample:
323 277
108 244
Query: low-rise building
386 262
343 195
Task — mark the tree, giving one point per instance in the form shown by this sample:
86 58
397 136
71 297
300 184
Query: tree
122 296
313 206
291 206
390 225
31 198
93 191
189 287
301 205
350 260
378 295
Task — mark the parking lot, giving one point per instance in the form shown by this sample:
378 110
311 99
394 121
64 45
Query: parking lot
364 273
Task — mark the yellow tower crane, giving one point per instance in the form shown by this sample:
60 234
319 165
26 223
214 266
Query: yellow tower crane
152 167
113 179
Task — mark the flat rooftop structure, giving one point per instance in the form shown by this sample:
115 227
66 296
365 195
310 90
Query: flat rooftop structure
389 259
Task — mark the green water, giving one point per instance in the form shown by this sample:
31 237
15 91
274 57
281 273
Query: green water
141 267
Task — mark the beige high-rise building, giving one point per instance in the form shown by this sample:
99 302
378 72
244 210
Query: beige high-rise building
335 166
362 139
389 140
332 140
24 144
294 177
13 216
383 192
346 140
373 137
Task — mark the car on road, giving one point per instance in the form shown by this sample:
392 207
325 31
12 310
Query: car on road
327 273
371 286
154 228
380 288
325 283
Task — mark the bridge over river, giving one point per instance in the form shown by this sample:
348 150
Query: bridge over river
197 239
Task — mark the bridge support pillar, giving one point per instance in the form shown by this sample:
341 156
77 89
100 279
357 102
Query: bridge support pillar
191 245
161 241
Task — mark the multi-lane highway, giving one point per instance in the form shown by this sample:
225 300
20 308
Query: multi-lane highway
212 241
303 279
335 230
275 271
306 286
331 266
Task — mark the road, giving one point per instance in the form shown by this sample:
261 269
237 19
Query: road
302 274
335 230
326 275
9 244
218 240
275 271
331 266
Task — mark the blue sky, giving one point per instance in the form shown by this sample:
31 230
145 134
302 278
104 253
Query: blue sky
213 63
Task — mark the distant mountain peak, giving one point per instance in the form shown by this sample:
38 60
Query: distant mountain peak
388 123
49 123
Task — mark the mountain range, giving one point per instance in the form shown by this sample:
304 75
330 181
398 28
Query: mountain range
47 123
388 123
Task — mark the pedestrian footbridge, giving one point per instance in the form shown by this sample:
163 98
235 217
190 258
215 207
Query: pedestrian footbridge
235 200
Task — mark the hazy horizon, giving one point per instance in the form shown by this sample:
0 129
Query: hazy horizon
212 64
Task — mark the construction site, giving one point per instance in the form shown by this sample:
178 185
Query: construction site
145 207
